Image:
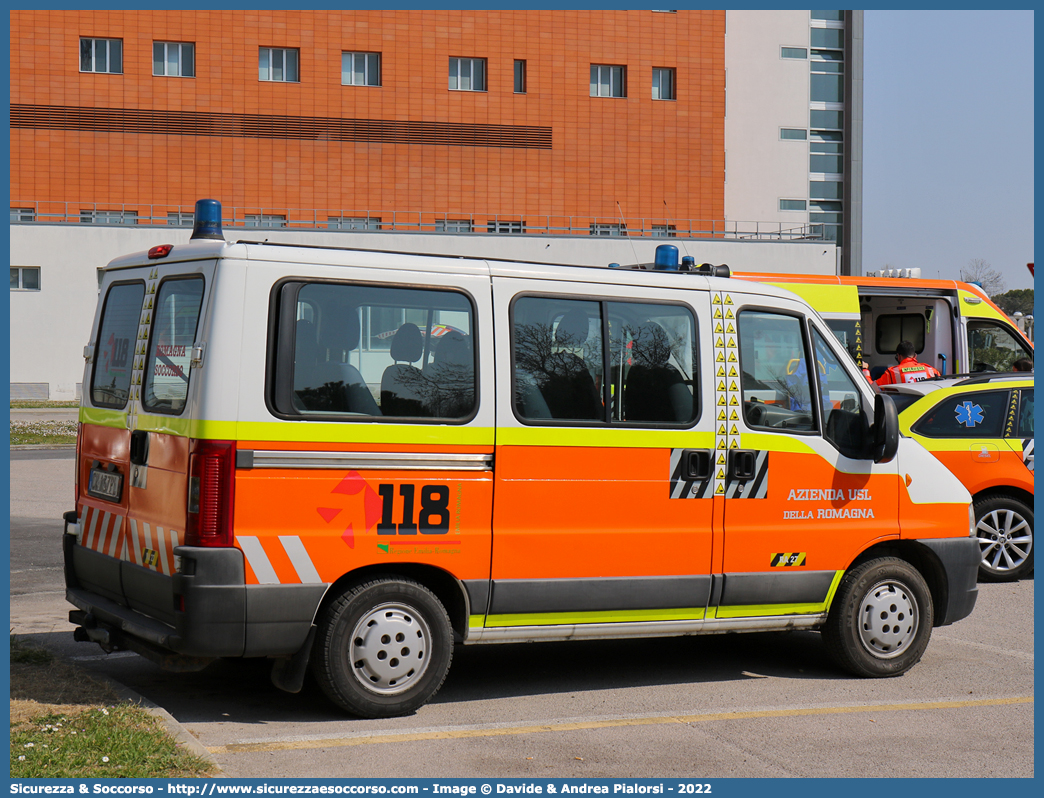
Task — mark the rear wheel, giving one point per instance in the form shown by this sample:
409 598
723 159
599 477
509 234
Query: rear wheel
1004 526
881 618
383 648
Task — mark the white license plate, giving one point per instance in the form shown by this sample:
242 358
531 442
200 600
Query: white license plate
105 485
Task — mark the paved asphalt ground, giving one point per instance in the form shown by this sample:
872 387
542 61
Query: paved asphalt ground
760 705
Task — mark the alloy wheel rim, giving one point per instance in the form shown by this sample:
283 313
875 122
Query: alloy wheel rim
1005 540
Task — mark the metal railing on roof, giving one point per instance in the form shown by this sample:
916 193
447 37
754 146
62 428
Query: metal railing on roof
413 221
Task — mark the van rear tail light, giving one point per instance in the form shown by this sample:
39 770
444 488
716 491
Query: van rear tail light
211 493
79 448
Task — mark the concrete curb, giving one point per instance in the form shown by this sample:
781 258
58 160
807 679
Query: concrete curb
58 447
180 734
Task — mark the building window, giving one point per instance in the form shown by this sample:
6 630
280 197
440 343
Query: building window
825 189
664 231
827 119
23 215
832 15
826 151
453 226
793 134
793 52
278 64
467 74
608 81
520 77
663 84
353 223
264 220
101 55
506 227
108 217
360 69
174 59
181 219
831 38
791 205
611 229
25 278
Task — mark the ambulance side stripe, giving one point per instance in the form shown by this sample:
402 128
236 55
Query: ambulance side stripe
299 558
258 560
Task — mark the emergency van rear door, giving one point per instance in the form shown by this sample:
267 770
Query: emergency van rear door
133 457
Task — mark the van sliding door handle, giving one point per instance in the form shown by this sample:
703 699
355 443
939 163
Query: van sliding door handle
696 463
742 464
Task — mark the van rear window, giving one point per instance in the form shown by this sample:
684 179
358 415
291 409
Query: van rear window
114 349
175 314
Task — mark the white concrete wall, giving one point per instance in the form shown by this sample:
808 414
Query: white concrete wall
50 327
771 93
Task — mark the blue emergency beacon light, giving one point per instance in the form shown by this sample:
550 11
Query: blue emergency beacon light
208 220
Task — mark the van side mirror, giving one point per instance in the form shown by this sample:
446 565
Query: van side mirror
886 429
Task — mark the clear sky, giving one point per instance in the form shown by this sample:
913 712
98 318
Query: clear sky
948 141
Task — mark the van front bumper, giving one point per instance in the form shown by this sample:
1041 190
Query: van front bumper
959 559
205 610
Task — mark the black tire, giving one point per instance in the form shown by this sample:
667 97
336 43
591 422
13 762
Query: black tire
383 648
1004 526
881 618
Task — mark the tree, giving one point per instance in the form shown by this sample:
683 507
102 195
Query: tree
1018 299
980 271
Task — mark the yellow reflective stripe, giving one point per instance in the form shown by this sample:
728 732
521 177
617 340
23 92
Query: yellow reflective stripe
959 444
600 616
605 437
364 432
103 417
780 442
168 425
826 298
476 621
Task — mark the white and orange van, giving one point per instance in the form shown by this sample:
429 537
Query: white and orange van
350 460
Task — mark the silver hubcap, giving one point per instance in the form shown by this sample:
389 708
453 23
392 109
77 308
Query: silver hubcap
1005 539
888 619
390 649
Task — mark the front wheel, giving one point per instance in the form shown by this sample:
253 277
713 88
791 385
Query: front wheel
383 648
881 618
1004 526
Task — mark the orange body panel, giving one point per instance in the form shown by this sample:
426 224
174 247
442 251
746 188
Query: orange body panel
336 515
988 465
830 531
591 512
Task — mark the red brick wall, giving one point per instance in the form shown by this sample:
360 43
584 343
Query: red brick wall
634 151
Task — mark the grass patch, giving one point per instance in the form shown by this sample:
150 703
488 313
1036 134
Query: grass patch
65 724
43 432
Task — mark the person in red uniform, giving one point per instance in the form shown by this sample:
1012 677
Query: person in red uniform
907 368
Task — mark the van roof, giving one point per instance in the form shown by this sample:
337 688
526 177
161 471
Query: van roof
412 261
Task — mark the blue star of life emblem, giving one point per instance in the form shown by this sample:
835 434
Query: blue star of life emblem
969 415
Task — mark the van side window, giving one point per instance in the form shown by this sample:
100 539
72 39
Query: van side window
992 347
775 375
845 424
977 414
557 353
175 314
564 372
1026 414
114 349
375 351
